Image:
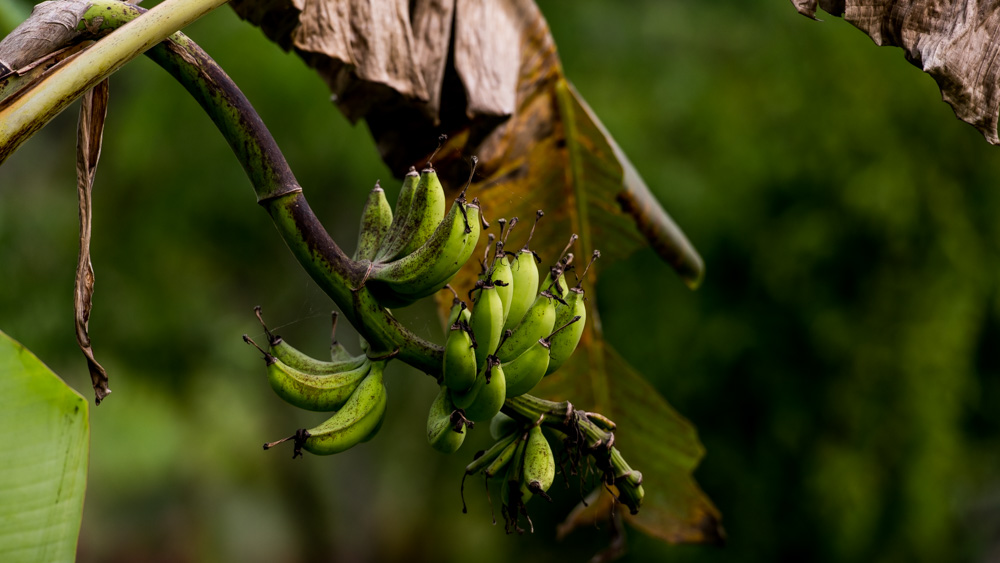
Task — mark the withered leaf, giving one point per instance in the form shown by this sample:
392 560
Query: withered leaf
90 133
953 41
495 86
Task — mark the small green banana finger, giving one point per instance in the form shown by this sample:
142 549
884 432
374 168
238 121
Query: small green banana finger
459 366
376 219
299 360
539 469
355 422
427 209
536 324
402 212
502 460
512 497
324 393
484 459
486 321
501 425
445 430
524 277
486 396
564 342
525 371
429 268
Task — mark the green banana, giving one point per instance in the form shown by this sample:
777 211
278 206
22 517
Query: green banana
484 459
501 425
427 209
337 351
536 324
486 321
564 342
355 422
512 497
376 219
503 279
459 366
403 203
627 480
524 277
525 371
484 399
445 431
539 469
502 460
430 267
299 360
326 392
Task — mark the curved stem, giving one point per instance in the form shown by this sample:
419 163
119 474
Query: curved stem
274 183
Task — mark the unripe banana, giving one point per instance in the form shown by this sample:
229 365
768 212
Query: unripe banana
501 425
427 209
299 360
376 219
524 278
512 497
485 398
536 324
486 458
322 393
564 342
525 371
355 422
430 267
502 461
539 464
486 322
445 432
403 201
459 365
503 279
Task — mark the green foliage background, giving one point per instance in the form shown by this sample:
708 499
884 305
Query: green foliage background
841 361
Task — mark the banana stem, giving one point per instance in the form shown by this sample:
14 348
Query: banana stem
274 183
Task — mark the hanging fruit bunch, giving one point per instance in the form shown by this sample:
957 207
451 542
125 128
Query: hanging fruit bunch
516 329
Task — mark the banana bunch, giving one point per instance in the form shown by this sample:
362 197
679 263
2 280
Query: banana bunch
415 251
352 386
525 459
515 334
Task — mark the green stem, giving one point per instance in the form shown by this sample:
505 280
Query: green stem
275 185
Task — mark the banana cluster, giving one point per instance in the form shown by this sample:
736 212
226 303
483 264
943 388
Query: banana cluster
517 332
524 460
351 387
415 251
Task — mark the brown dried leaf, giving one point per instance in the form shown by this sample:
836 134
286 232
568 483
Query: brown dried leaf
953 41
90 133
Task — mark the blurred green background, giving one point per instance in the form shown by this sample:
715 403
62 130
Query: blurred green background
841 361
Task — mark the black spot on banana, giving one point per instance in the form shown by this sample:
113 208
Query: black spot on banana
431 266
356 422
445 431
376 219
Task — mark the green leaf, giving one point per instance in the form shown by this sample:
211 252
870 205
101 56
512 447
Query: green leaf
45 439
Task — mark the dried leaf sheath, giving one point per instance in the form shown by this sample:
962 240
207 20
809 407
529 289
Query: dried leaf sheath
956 42
90 133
